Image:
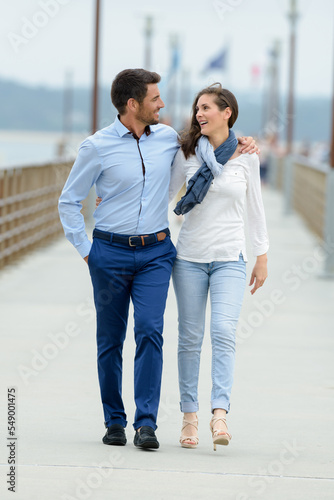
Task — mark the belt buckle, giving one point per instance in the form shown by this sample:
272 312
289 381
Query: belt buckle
130 244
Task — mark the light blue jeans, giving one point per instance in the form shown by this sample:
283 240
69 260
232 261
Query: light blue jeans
192 282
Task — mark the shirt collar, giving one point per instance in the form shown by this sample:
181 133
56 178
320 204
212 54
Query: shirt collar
122 130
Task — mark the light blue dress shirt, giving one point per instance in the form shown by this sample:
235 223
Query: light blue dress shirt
132 203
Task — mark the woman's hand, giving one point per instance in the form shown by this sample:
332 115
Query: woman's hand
248 145
98 201
259 273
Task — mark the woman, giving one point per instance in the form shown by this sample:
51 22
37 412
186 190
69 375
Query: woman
211 255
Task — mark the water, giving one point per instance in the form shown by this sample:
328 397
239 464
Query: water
21 148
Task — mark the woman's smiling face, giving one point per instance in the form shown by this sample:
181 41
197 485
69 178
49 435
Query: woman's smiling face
210 118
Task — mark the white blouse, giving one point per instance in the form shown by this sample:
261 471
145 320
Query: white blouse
215 229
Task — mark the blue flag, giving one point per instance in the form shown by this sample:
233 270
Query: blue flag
219 62
175 59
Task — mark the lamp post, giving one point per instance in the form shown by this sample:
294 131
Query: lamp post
96 68
148 42
68 104
272 126
332 138
173 79
293 16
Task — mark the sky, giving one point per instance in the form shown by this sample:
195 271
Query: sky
41 40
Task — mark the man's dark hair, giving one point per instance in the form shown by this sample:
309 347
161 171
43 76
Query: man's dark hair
131 84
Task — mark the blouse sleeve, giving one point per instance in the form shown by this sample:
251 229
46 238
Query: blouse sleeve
178 176
255 209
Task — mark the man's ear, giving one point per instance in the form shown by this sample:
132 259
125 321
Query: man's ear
132 104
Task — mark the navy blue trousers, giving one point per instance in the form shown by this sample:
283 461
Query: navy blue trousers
119 273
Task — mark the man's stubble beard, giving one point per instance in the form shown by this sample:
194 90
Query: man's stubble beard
145 119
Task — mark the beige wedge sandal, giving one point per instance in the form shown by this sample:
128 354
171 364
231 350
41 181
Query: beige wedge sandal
184 438
218 435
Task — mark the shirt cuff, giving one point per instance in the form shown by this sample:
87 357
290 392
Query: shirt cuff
84 248
261 249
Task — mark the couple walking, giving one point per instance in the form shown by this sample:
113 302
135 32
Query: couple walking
137 166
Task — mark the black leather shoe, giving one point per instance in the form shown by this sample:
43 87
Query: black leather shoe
146 438
115 435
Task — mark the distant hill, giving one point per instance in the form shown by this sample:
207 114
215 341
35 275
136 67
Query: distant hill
312 117
41 108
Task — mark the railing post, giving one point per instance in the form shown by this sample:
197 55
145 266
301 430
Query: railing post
272 170
288 184
329 227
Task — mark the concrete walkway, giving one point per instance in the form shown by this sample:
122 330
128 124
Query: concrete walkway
282 411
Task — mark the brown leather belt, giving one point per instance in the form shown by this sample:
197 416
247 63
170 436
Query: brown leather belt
132 241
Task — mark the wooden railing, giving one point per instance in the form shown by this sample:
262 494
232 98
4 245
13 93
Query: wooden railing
29 208
308 188
309 194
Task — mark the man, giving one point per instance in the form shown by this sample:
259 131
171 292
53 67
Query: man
132 254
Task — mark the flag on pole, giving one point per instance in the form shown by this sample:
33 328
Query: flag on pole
255 74
175 57
219 62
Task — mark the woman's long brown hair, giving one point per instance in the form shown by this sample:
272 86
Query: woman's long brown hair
224 99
